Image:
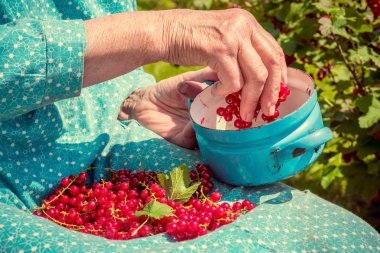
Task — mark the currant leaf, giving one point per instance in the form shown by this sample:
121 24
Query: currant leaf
177 184
162 178
155 210
372 116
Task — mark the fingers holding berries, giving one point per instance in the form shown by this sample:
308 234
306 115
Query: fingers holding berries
272 57
231 42
255 75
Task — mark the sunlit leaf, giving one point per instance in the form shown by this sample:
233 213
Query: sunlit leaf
372 116
156 210
178 184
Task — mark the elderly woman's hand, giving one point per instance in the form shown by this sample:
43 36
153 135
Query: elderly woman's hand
233 44
162 108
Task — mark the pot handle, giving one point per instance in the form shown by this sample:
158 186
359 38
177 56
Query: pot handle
300 146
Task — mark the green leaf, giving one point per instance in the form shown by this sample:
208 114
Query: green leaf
339 21
288 45
341 73
375 57
327 180
282 11
363 103
333 172
308 29
177 184
361 55
372 116
269 28
326 25
202 4
155 210
323 5
164 70
162 179
357 176
341 31
357 24
296 9
339 116
179 174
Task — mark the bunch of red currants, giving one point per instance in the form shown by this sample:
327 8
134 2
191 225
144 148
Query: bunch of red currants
232 110
132 205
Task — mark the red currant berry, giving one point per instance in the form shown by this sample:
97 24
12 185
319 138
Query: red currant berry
219 212
230 109
247 124
228 117
221 111
229 99
238 123
124 186
376 136
154 188
74 190
108 185
347 157
215 196
144 194
65 182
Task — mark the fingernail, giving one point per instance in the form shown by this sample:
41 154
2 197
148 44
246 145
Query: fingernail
214 88
182 87
248 117
272 109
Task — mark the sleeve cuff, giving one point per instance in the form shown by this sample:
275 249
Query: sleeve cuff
65 48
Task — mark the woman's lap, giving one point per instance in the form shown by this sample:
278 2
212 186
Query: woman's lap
284 219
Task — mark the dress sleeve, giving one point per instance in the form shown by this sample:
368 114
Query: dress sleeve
40 62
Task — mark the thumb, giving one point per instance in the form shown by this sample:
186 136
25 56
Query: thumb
190 89
187 137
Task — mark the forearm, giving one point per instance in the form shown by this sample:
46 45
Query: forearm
117 44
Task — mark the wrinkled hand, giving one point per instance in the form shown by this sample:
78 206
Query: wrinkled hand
232 43
162 108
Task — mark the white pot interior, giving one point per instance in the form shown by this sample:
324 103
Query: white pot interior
203 108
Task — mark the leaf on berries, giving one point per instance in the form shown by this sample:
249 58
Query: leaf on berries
155 210
162 179
185 174
177 184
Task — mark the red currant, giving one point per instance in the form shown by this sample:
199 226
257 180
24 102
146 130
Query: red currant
221 111
215 196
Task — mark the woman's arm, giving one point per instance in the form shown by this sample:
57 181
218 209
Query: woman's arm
120 43
40 62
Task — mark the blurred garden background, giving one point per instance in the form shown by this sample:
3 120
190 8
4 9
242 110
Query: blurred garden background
338 43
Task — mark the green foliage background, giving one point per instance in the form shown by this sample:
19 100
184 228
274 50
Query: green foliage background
338 43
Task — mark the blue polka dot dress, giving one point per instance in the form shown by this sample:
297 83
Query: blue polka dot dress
50 128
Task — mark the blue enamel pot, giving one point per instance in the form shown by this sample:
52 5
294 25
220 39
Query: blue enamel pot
267 152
